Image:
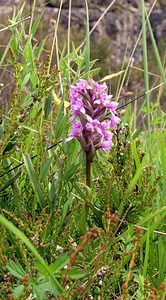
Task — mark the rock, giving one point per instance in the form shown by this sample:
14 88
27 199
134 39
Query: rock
121 24
77 3
158 22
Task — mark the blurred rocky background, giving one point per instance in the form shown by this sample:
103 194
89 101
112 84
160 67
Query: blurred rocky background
113 39
121 24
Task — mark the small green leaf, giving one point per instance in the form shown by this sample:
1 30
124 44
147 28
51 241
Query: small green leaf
56 266
36 25
33 178
15 269
44 171
111 76
47 106
18 291
76 273
52 196
79 191
61 122
137 133
60 263
71 171
39 49
39 293
9 182
26 79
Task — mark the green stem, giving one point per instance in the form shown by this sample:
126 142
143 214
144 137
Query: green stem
88 183
88 170
145 62
32 16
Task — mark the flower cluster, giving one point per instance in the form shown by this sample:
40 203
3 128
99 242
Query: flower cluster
93 116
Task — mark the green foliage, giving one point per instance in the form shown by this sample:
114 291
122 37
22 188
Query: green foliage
51 247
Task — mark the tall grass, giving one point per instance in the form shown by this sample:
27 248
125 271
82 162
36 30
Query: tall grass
118 249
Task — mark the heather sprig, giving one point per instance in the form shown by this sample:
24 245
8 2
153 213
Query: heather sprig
93 117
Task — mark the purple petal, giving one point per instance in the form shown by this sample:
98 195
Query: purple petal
90 104
83 84
106 145
76 128
108 135
89 127
112 106
105 126
114 121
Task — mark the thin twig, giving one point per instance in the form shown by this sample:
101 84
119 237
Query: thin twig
134 49
69 28
122 220
19 165
13 25
140 96
98 21
55 44
143 228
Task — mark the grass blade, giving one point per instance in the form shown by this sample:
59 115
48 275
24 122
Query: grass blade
146 259
145 62
33 178
87 46
29 245
45 169
156 52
